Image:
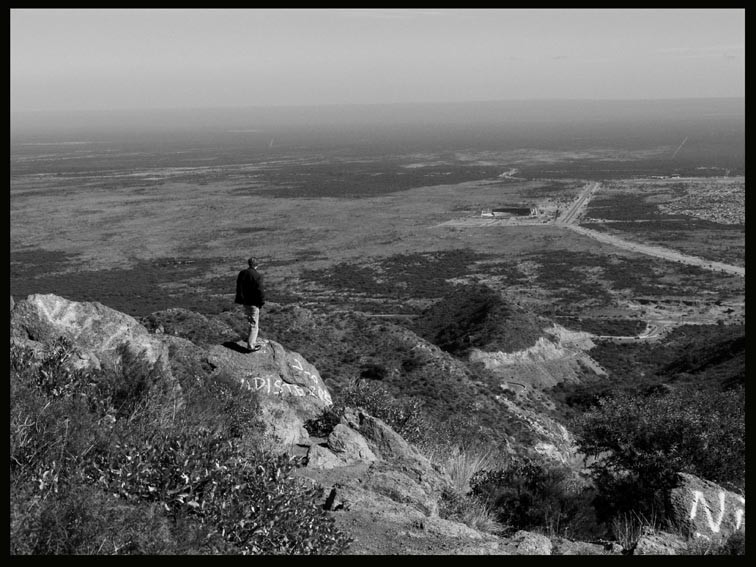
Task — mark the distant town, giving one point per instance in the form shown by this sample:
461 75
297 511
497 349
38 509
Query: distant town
716 201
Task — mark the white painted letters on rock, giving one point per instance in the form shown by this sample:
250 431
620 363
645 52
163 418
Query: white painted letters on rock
704 509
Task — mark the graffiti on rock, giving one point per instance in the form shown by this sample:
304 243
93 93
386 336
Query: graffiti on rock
277 387
714 520
298 366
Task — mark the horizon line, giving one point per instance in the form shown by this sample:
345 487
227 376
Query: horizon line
370 104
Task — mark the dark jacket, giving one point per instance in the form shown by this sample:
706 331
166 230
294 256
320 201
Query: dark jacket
249 288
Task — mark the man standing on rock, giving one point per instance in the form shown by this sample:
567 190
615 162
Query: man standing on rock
250 293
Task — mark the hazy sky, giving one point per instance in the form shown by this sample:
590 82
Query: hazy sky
102 59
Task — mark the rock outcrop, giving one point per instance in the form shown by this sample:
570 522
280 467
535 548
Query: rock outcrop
290 389
700 508
102 336
560 356
378 487
201 330
703 514
660 543
98 331
396 470
529 543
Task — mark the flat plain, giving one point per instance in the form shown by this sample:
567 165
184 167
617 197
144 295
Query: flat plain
384 219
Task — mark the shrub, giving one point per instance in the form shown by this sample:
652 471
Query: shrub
527 495
733 545
51 425
222 405
253 503
323 425
469 510
373 371
126 385
640 443
628 527
461 465
85 521
476 316
190 484
403 416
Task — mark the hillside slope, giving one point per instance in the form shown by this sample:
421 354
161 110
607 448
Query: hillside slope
361 478
460 400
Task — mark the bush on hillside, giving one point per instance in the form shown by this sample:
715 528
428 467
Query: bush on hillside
476 316
88 451
640 443
469 510
251 502
733 545
528 495
403 416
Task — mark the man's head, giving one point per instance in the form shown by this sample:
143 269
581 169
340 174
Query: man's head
252 262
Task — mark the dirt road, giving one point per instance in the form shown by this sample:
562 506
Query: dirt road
650 334
576 209
571 216
658 251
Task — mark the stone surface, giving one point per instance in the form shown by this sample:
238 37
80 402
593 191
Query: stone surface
660 543
273 372
349 445
563 546
529 543
388 443
201 330
385 479
284 426
390 447
95 328
319 457
101 336
289 388
377 486
700 508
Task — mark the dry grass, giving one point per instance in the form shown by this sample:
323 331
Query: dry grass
479 516
461 464
629 527
732 545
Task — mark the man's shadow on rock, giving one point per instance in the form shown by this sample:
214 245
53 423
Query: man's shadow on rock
236 347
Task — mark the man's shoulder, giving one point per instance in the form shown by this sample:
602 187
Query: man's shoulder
250 273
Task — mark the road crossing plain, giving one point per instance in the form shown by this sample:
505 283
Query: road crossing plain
570 217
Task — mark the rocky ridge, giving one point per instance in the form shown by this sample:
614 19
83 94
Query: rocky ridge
560 356
378 487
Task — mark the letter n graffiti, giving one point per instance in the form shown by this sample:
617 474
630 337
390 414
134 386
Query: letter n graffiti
713 524
739 513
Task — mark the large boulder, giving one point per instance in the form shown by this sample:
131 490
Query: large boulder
401 486
102 336
397 470
384 440
99 332
700 508
350 445
319 457
344 446
290 389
